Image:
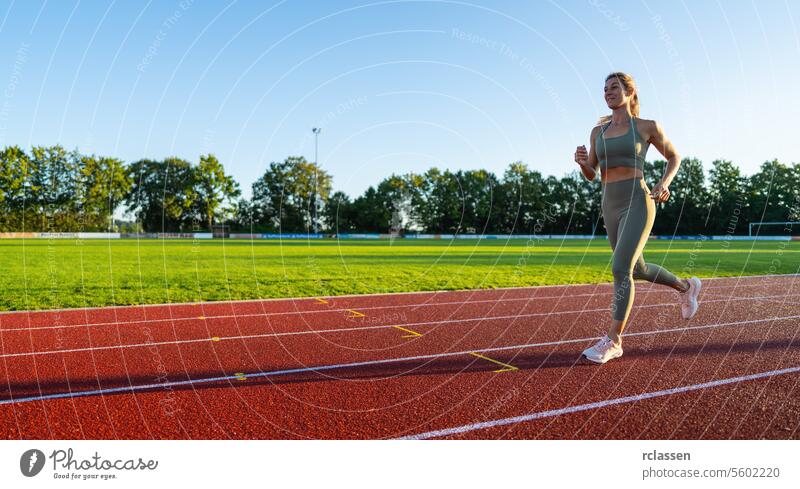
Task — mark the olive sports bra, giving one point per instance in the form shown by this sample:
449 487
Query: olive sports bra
626 150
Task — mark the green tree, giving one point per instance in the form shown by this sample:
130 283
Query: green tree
687 209
727 199
370 213
397 195
105 183
653 170
14 168
163 194
439 203
522 199
554 216
53 192
397 200
578 208
215 190
478 194
339 214
290 196
242 218
772 194
268 196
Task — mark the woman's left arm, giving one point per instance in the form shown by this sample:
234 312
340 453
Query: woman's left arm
660 191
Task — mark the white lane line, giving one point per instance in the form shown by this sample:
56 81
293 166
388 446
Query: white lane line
597 405
783 302
272 373
755 296
770 298
333 330
319 311
652 289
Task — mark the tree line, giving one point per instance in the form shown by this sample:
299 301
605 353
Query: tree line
54 190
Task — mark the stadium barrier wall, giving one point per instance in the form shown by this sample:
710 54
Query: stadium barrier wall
372 236
292 236
358 236
78 235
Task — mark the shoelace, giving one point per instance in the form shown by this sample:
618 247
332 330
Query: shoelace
603 344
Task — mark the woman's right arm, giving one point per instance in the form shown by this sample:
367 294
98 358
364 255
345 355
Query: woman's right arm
588 161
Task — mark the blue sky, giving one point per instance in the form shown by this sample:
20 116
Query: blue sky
396 86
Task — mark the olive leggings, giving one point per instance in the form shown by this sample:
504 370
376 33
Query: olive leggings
628 212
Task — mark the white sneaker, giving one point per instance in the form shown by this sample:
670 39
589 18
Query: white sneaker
689 303
603 351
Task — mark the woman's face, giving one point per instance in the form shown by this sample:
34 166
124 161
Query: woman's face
615 94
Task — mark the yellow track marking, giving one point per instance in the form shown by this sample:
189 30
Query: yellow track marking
321 301
355 314
201 317
240 376
412 334
507 367
215 338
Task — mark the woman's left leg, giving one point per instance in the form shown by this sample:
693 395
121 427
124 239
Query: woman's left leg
658 275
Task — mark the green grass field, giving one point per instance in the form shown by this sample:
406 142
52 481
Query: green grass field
45 274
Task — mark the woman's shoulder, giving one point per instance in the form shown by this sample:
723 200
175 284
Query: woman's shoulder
646 127
645 123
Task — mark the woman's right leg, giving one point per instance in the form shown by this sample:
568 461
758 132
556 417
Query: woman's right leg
612 213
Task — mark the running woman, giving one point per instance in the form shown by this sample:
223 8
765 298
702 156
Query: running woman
618 147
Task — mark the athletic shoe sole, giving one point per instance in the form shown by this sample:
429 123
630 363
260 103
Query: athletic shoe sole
597 360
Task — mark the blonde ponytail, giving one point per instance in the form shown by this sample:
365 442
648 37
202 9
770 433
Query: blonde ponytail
630 86
635 105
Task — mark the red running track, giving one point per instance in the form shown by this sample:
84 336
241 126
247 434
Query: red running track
499 363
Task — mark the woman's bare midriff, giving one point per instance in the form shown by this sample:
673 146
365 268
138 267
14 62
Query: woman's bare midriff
620 173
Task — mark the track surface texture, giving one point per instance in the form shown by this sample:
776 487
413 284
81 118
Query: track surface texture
503 363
